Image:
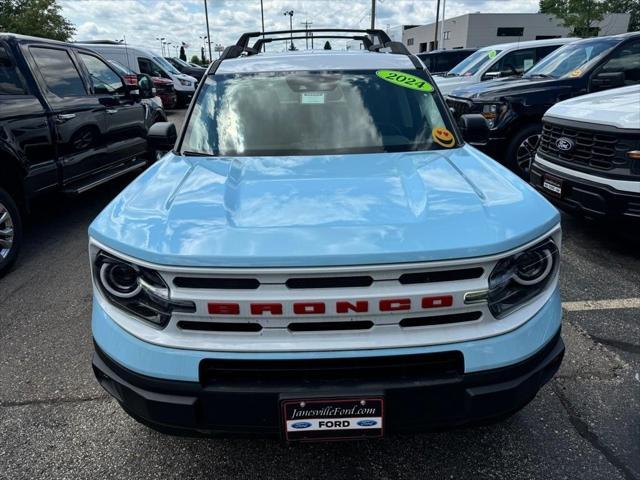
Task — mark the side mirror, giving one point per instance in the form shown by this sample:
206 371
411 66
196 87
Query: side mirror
608 80
145 83
491 75
162 136
474 129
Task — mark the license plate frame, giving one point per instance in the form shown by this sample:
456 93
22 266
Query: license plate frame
318 422
552 185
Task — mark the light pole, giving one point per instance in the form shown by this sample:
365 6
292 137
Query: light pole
435 37
262 16
162 39
373 14
444 4
204 39
206 14
290 13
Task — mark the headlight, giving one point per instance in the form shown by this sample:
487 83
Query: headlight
185 83
137 290
517 279
491 112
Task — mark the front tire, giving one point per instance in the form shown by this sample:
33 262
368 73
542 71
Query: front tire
10 231
522 150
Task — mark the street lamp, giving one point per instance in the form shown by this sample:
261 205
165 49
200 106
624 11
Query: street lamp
290 13
204 39
162 39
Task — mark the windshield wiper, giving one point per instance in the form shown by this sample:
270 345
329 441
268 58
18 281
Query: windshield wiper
191 153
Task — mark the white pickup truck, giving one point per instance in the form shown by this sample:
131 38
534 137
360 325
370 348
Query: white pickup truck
588 160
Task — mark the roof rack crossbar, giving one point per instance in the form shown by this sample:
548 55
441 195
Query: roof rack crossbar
383 39
257 47
242 45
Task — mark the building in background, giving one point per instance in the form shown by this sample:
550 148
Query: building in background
475 30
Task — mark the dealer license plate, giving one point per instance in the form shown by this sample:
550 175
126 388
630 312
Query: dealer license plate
553 185
333 419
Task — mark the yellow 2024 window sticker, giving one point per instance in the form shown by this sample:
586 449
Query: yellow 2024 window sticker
576 73
443 137
404 79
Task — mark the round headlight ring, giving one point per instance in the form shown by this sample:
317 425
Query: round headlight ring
113 277
527 278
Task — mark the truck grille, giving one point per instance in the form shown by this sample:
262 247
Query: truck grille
593 150
459 106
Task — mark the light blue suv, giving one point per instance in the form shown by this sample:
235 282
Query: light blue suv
320 256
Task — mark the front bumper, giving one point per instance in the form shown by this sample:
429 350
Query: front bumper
173 391
587 197
417 403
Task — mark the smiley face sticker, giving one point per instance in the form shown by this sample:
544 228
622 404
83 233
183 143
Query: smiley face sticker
576 73
443 137
492 54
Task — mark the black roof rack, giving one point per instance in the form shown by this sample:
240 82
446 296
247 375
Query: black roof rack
257 47
383 41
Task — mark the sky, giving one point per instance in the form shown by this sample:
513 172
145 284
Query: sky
142 22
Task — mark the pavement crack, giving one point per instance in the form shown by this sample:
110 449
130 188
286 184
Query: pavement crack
54 401
583 430
624 346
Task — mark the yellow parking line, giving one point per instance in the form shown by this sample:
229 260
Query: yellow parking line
612 304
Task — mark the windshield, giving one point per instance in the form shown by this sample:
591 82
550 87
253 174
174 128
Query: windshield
473 63
121 69
166 65
313 113
180 62
572 59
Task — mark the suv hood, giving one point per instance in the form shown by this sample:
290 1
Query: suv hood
619 108
511 86
447 84
323 210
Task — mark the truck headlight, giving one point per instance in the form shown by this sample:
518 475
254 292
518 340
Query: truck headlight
185 83
137 290
492 112
517 279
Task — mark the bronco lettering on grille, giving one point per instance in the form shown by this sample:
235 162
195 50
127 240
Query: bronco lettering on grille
323 308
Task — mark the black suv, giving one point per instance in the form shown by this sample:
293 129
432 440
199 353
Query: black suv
68 122
440 62
514 107
184 67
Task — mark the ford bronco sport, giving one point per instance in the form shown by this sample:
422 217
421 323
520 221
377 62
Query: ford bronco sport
322 257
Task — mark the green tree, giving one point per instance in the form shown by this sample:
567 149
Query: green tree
195 59
327 45
183 55
578 15
40 18
627 6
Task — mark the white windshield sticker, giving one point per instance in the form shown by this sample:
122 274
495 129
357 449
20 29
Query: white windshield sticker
528 63
312 98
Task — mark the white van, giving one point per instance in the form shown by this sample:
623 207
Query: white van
141 60
495 61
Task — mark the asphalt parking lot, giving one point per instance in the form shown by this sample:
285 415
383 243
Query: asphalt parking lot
57 423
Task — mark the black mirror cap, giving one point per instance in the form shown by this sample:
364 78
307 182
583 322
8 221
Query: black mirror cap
608 80
474 129
162 136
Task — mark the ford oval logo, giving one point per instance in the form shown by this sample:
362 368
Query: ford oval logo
300 425
367 423
565 144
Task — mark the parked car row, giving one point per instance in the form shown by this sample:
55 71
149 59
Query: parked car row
69 121
514 106
562 113
141 60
